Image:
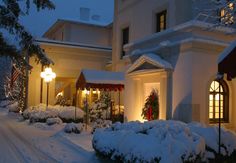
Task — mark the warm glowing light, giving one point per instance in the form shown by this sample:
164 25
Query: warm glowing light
48 75
60 94
86 92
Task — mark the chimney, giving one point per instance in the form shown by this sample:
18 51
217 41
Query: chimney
84 14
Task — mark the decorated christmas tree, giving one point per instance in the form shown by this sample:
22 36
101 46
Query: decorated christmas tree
151 108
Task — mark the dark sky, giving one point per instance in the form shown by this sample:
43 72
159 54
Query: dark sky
38 22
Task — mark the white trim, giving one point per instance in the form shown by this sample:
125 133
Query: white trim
184 41
189 24
152 59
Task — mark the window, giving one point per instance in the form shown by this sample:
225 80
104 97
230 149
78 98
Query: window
125 40
226 14
161 21
218 101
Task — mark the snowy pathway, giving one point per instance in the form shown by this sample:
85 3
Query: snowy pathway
23 143
14 147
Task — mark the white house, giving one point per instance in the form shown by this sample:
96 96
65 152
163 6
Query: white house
166 45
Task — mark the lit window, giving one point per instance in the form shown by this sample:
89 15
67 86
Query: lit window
218 101
161 21
226 14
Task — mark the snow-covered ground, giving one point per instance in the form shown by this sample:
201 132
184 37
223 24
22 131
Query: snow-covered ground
38 142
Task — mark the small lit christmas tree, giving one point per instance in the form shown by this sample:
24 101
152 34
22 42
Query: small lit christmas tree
151 108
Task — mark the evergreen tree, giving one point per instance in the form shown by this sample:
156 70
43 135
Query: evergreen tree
10 12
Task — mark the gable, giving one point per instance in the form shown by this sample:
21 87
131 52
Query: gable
149 62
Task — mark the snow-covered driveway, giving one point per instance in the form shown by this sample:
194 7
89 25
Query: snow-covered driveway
14 147
20 142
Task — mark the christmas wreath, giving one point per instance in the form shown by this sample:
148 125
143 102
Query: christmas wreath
150 110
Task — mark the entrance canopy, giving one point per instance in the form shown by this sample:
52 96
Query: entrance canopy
227 62
96 79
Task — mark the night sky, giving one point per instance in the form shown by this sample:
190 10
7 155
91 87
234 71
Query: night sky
38 22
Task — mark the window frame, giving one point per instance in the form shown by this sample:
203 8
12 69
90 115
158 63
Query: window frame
126 41
158 21
225 93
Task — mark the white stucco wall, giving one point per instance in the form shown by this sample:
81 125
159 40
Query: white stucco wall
68 64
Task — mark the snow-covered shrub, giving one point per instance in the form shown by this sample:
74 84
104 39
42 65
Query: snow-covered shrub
67 113
42 116
100 123
39 113
211 136
52 121
74 128
5 103
13 107
164 141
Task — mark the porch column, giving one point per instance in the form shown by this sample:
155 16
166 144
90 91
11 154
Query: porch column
169 89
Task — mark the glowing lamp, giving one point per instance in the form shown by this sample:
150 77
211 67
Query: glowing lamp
48 75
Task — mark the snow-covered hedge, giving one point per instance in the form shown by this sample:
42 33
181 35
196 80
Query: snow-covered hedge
11 105
161 141
5 103
74 128
52 121
41 114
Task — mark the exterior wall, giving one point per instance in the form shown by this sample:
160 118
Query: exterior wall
68 64
81 33
130 13
90 34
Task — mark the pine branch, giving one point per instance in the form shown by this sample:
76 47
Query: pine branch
9 21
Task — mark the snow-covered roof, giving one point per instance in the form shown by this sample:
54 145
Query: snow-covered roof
59 22
103 77
152 59
73 44
227 51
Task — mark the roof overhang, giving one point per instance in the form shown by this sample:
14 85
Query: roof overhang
227 62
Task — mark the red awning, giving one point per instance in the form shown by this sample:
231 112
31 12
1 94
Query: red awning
103 80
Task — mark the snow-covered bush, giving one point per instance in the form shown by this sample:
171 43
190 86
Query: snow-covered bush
67 113
100 123
159 141
74 128
5 103
13 107
39 113
211 136
52 121
42 116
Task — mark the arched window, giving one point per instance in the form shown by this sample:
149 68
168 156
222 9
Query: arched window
218 101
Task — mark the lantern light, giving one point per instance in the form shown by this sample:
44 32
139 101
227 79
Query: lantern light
48 75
